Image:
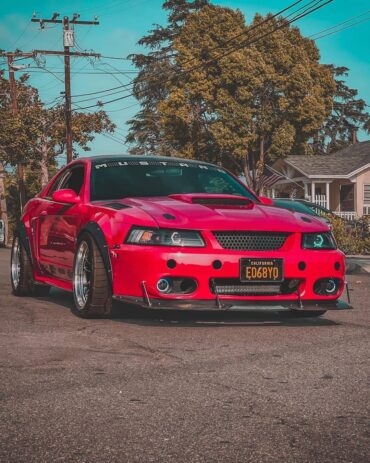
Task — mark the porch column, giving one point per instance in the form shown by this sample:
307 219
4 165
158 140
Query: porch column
305 186
272 192
313 192
327 195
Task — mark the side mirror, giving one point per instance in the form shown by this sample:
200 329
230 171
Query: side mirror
266 201
65 196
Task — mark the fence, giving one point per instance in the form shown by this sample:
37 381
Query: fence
320 200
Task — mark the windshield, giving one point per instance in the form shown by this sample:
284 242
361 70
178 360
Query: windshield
120 179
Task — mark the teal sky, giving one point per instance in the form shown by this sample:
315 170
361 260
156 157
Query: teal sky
123 22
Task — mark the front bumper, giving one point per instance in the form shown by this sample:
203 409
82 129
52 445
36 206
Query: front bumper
136 267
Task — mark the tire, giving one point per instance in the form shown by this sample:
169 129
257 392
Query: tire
21 273
92 292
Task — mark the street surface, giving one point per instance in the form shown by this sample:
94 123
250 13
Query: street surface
182 387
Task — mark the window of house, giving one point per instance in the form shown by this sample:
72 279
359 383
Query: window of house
366 198
367 193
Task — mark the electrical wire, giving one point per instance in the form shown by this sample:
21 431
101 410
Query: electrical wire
308 8
214 48
232 50
312 36
341 29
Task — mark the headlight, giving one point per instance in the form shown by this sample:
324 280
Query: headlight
165 237
324 240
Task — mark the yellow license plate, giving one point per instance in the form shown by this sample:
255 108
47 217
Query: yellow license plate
261 270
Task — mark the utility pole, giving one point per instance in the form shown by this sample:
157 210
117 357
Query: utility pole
67 87
68 41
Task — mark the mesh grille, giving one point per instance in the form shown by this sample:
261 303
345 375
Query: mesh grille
251 241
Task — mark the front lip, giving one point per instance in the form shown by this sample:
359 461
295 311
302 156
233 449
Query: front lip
237 305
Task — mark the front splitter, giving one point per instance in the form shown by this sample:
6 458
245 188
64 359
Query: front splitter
236 305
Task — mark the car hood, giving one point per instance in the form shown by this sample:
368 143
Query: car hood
212 212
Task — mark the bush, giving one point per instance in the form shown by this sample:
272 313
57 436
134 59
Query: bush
352 237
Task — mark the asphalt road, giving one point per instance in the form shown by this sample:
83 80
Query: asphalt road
181 387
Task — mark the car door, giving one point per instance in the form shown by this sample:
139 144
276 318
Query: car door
58 227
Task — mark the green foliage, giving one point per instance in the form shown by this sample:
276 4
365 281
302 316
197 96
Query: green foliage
150 88
352 238
258 103
35 136
347 116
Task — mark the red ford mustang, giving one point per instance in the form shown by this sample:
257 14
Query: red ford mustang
165 232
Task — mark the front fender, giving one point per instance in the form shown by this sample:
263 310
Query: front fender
98 235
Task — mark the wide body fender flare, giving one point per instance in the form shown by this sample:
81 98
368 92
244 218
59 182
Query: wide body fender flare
98 235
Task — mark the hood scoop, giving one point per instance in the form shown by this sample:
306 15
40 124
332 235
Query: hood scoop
117 206
216 201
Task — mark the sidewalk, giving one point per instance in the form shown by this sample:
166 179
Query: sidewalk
357 265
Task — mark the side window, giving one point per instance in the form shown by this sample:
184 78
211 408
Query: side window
73 180
54 186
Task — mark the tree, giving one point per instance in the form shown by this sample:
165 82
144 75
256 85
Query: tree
347 116
149 86
258 103
35 135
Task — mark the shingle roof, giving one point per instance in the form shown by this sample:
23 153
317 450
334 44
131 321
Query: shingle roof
343 162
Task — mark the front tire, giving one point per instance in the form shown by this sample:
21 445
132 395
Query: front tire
91 287
21 273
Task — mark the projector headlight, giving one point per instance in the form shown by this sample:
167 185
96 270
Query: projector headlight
323 240
165 237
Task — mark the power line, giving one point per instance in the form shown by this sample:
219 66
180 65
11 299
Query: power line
342 29
243 44
68 41
214 48
308 8
312 36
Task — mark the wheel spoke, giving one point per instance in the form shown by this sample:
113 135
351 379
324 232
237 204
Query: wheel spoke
82 274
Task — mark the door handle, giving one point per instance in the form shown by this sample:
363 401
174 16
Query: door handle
43 213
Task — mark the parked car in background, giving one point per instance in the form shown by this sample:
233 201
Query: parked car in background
319 210
303 206
2 233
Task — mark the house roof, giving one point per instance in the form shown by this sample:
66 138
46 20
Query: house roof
344 163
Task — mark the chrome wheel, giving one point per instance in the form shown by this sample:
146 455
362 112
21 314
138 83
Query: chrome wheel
82 274
16 262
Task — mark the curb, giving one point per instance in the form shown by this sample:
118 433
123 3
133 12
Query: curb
357 265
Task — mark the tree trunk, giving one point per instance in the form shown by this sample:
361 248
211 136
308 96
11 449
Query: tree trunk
4 212
44 164
247 172
262 150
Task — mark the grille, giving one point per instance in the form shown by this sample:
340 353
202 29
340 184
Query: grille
234 287
251 241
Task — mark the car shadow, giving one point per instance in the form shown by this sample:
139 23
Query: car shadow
130 314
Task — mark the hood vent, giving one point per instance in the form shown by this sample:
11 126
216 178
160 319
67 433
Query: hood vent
117 206
225 203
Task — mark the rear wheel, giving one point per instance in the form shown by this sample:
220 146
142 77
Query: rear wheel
91 287
21 273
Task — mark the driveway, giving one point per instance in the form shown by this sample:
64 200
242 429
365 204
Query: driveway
182 387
